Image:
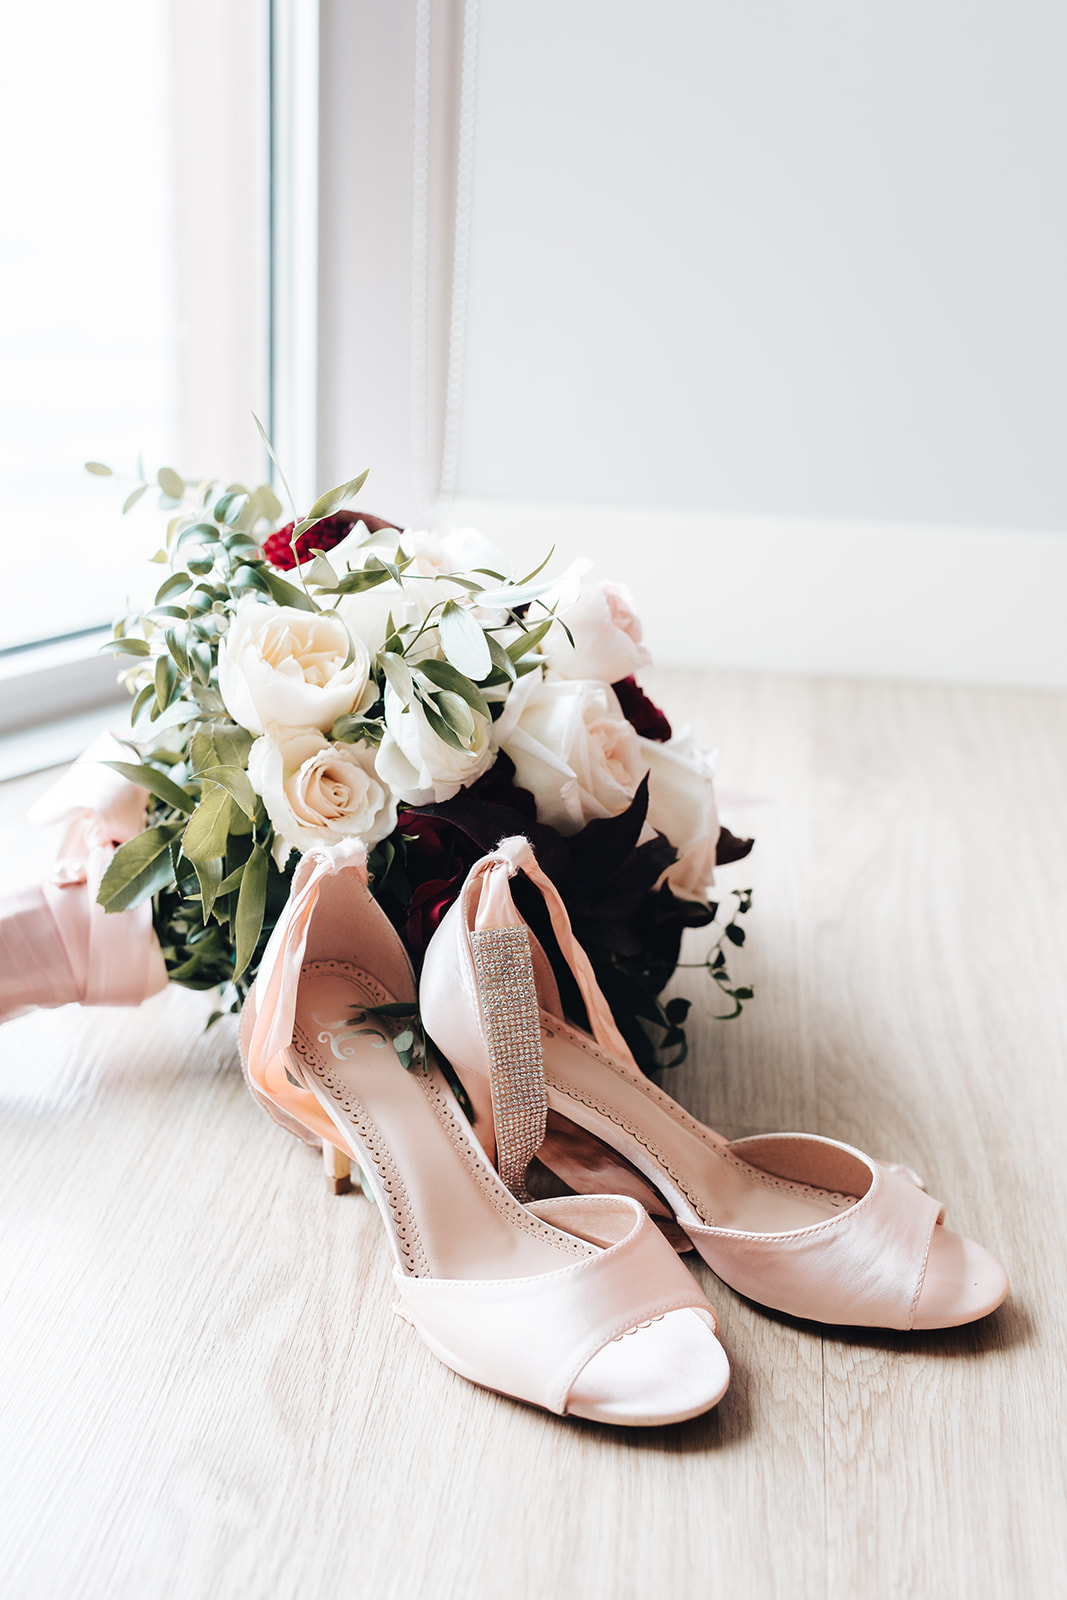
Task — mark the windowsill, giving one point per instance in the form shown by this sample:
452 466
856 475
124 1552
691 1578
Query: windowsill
55 698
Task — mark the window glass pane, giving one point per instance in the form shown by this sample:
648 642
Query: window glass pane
87 324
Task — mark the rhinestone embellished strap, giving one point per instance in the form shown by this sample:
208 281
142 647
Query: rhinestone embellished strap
504 971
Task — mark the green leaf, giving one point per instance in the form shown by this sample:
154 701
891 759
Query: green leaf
267 503
232 744
176 644
320 572
457 713
270 451
358 582
128 647
236 783
500 658
444 675
537 571
250 578
463 641
171 483
529 640
442 729
209 876
98 469
334 499
398 675
201 532
138 869
230 508
735 934
251 904
155 782
286 594
166 678
133 497
146 694
209 827
351 729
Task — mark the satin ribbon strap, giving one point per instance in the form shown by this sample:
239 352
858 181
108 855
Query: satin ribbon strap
81 953
516 855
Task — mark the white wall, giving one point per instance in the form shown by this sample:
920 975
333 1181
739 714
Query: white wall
784 284
768 257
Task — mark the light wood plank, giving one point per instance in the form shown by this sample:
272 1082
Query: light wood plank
205 1392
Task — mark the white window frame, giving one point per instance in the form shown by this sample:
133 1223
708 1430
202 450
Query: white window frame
301 82
56 693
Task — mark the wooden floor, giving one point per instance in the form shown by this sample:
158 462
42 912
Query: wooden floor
205 1393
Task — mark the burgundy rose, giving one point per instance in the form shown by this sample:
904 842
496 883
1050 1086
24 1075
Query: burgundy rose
645 717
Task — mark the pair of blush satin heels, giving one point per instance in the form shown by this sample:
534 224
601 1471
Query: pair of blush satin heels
575 1303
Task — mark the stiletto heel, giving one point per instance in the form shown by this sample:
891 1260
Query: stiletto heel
338 1169
531 1301
802 1224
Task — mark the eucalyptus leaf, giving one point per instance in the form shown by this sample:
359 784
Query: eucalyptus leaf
128 647
463 641
250 578
171 483
133 497
155 782
176 644
98 469
251 905
166 679
138 869
201 532
209 827
146 694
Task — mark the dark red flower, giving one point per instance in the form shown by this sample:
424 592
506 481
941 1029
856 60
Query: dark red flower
429 902
640 712
278 549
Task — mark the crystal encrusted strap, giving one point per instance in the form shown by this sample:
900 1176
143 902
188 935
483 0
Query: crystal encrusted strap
513 1033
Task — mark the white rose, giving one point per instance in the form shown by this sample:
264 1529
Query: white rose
279 664
607 637
316 792
681 805
573 750
417 763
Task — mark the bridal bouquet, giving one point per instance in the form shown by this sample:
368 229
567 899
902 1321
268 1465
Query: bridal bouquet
333 677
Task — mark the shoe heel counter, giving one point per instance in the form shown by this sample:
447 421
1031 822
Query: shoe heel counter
451 1016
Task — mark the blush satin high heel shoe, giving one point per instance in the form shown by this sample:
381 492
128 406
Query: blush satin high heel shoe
801 1224
576 1305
